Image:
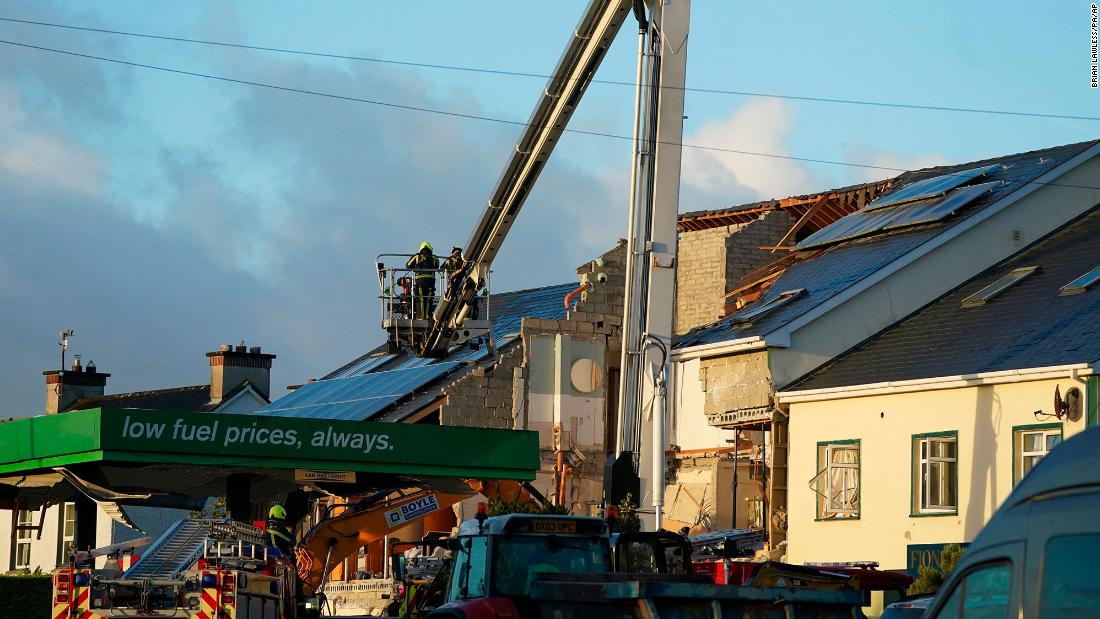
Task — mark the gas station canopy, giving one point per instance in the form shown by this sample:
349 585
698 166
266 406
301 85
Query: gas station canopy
134 455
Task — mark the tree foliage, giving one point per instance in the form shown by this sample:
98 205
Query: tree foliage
929 578
628 520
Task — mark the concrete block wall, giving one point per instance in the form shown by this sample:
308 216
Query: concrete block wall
485 397
736 382
711 262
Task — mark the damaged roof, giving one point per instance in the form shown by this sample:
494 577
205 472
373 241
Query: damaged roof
1028 324
836 203
381 385
820 275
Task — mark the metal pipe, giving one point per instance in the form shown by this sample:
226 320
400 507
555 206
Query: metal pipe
623 432
736 457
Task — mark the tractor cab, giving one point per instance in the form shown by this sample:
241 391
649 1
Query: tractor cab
496 560
651 552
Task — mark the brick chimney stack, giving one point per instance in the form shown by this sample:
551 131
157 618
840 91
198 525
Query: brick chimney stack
65 387
230 366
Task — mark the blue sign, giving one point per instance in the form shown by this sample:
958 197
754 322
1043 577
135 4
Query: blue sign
412 510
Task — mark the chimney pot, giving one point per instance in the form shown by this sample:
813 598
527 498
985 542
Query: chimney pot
224 348
242 348
254 350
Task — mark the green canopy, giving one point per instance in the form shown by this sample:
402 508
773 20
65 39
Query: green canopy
124 453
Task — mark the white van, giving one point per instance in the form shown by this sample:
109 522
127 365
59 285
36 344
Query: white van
1040 553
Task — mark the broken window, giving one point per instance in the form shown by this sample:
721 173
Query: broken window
837 481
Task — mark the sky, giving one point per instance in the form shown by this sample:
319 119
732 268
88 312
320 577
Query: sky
160 215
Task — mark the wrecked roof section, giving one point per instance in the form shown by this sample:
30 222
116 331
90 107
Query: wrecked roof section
821 273
1027 325
384 385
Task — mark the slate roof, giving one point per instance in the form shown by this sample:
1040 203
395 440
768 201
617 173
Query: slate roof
1027 325
196 398
382 386
846 263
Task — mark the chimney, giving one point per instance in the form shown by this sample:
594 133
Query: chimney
230 366
65 387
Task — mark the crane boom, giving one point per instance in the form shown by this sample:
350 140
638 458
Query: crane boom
582 56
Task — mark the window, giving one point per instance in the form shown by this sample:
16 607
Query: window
770 306
981 594
837 480
935 473
468 579
1067 589
518 559
1031 443
23 518
66 531
985 294
1082 283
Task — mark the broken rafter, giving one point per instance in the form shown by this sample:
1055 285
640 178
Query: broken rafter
818 205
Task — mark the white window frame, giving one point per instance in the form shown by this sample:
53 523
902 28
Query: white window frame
24 538
828 507
1021 453
65 539
924 460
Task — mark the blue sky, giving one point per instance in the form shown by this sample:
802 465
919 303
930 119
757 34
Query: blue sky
160 215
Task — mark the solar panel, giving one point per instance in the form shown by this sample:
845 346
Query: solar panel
862 223
365 365
931 187
854 225
355 398
939 208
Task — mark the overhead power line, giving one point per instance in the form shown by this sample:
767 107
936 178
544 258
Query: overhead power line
447 113
503 72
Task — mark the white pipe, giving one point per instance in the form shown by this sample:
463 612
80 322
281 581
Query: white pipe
940 382
658 421
688 353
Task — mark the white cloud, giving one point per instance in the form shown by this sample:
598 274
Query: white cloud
37 160
761 126
867 155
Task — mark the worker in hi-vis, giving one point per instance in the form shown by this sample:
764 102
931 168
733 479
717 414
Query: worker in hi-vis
278 534
425 264
452 265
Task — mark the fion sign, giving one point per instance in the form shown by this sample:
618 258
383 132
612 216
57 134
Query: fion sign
567 391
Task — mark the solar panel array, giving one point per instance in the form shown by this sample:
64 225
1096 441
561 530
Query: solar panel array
931 187
868 221
355 398
364 365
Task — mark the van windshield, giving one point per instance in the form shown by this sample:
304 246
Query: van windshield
518 558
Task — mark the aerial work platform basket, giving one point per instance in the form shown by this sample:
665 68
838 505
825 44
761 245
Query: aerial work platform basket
411 311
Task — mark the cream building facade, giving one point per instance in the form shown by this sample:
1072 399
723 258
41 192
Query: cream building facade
885 473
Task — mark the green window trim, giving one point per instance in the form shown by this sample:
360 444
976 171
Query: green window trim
859 480
914 502
1092 390
1028 427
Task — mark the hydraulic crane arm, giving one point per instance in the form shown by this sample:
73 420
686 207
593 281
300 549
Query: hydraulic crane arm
584 53
336 538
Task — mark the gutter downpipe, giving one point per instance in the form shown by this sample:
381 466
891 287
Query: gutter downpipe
1071 371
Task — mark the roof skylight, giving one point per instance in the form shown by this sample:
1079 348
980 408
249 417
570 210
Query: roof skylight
985 294
776 303
1081 284
931 187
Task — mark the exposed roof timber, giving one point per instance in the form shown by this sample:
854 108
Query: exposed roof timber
806 217
841 202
